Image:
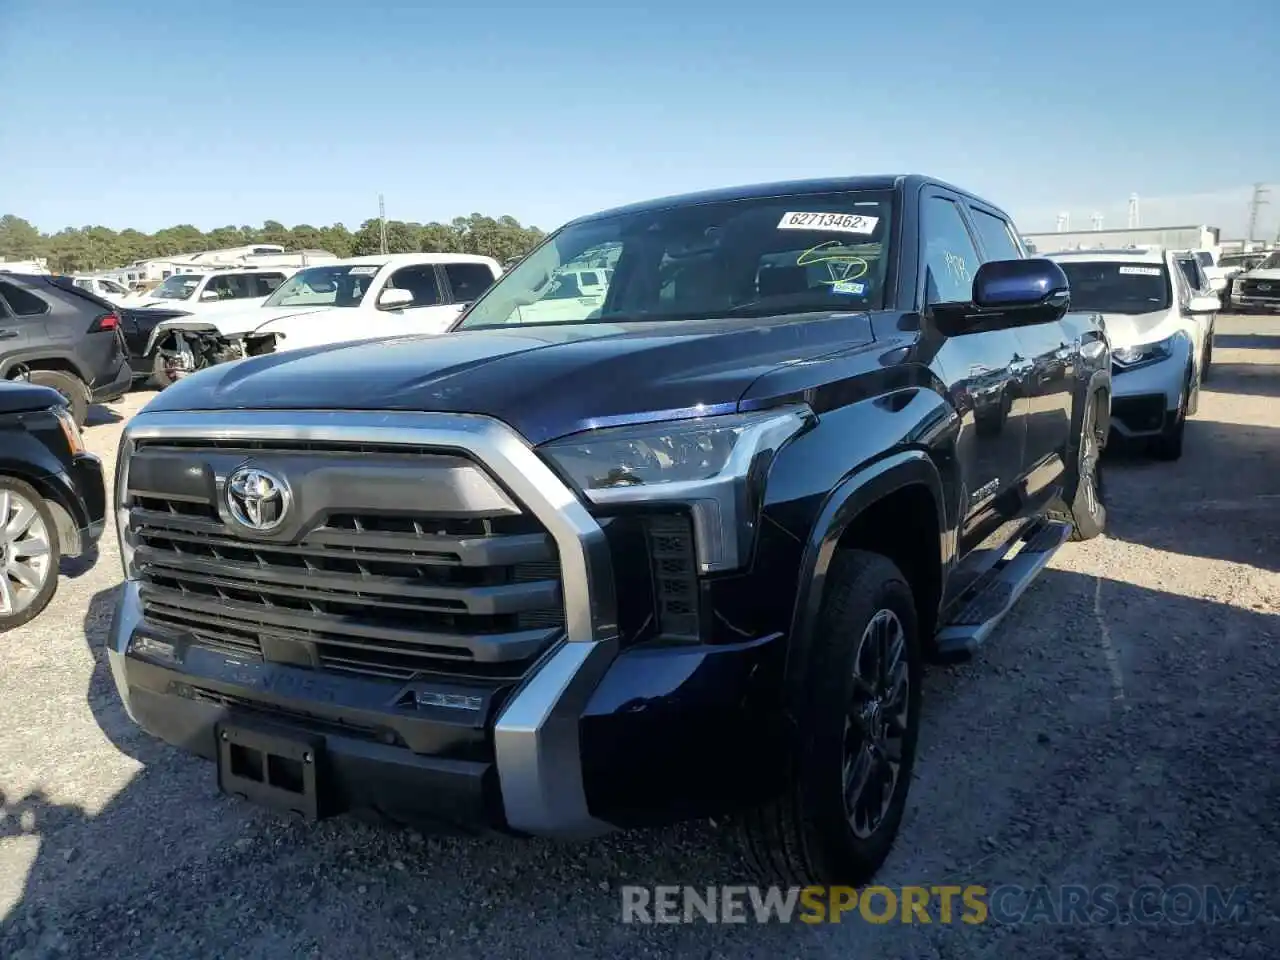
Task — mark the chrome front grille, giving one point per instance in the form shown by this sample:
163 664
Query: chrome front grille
397 562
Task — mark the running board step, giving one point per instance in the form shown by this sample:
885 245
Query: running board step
997 591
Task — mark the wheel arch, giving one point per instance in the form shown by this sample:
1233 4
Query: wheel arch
907 479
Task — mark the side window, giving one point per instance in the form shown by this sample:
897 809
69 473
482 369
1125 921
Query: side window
468 280
420 280
264 284
997 236
1189 272
219 285
950 256
22 302
84 284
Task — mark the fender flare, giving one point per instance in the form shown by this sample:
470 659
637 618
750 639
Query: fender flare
864 487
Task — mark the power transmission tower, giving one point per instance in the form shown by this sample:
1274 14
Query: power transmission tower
382 223
1257 203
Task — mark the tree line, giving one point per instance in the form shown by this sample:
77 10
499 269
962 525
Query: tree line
101 248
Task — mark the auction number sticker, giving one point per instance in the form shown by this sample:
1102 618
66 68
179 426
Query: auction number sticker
363 271
835 222
1139 271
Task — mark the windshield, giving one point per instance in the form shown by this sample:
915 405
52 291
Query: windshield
737 258
1271 263
333 285
178 287
1117 287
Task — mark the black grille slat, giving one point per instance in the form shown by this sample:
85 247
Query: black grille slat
381 587
402 593
510 645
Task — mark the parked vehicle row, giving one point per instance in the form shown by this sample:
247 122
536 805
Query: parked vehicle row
347 300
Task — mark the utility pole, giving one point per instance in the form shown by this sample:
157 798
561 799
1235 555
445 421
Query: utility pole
382 223
1257 203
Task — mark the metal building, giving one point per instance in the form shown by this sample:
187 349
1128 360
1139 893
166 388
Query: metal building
1174 238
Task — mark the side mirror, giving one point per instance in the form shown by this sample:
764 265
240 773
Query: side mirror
1009 293
1203 305
394 299
206 295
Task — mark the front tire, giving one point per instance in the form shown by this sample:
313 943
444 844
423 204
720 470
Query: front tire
857 711
1168 446
28 554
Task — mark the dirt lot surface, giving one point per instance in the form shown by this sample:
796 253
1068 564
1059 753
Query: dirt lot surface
1122 727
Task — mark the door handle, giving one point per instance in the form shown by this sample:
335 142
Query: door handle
1020 368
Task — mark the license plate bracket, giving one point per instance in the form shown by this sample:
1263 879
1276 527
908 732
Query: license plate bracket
283 771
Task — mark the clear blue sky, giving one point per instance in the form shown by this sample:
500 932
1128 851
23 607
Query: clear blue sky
142 114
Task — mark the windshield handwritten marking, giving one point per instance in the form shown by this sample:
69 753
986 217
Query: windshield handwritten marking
854 267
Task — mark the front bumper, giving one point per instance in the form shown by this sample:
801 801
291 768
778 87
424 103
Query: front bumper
1255 303
1144 400
660 735
590 738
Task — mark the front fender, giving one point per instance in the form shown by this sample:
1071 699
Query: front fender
869 484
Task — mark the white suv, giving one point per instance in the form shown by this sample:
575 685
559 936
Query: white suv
1161 330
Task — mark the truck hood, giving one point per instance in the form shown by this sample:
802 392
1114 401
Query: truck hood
1272 274
1131 330
545 381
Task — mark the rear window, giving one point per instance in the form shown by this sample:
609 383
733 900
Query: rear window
22 302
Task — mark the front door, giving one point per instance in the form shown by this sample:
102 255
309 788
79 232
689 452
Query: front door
1046 358
985 373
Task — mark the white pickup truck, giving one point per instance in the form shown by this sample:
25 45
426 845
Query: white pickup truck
361 298
106 288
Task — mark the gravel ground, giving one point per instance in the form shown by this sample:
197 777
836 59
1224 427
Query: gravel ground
1120 728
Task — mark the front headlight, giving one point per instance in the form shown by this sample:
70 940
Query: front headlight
1142 353
75 439
708 465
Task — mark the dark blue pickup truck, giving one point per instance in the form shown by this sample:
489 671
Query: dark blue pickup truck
676 549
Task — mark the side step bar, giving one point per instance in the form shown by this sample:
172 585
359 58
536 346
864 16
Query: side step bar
995 593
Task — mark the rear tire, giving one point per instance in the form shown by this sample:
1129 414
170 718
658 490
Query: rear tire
28 553
853 717
70 386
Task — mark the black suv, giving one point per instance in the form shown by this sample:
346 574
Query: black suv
62 337
674 551
52 498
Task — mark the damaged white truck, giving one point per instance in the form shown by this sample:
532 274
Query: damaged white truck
361 298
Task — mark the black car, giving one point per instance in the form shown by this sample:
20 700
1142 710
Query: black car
676 551
137 324
52 498
62 337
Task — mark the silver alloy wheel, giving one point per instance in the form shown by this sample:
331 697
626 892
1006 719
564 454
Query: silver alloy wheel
876 723
24 553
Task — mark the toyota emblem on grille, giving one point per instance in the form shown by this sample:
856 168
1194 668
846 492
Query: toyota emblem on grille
257 499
